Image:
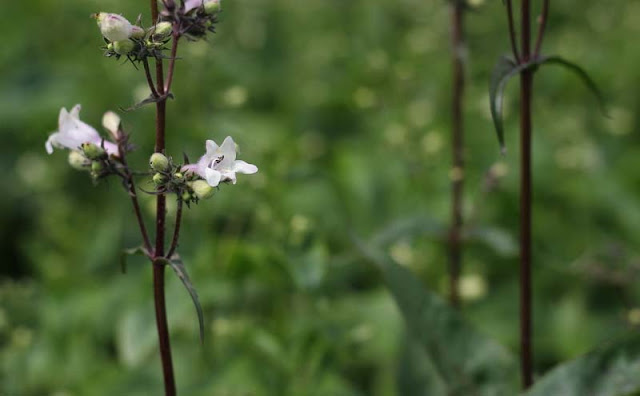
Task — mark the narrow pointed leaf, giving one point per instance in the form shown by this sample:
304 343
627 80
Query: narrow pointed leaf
582 74
178 267
136 251
610 370
468 362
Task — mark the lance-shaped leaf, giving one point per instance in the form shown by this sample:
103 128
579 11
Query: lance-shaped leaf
178 267
582 74
611 370
136 251
468 362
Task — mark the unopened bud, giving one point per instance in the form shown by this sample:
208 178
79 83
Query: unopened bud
97 166
114 27
123 47
178 176
92 151
77 160
159 179
162 30
211 6
137 32
202 189
186 196
111 122
159 162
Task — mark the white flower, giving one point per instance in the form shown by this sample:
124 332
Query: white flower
72 133
219 164
114 27
210 6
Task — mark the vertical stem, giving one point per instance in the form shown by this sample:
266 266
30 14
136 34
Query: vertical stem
542 25
457 129
512 31
158 268
526 79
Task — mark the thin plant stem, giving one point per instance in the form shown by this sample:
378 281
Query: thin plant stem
176 230
526 82
542 25
131 187
147 74
172 60
512 31
457 129
158 267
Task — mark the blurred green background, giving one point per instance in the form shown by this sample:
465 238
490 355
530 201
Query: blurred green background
344 106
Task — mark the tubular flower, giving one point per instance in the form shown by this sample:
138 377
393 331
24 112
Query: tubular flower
114 27
219 163
73 133
210 6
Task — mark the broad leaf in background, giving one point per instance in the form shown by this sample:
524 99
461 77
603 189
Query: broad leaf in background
178 267
611 370
468 362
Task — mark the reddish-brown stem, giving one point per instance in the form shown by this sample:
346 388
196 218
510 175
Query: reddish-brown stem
542 25
158 267
131 187
526 82
457 184
172 59
176 230
147 74
512 31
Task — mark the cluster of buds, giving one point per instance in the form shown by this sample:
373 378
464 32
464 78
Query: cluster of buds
194 17
126 39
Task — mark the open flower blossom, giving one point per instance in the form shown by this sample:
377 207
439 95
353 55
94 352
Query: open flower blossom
219 164
73 133
114 27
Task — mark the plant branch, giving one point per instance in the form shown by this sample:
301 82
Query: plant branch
131 187
512 32
150 82
176 230
542 25
172 59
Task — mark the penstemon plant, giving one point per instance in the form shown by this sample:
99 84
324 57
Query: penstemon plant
187 182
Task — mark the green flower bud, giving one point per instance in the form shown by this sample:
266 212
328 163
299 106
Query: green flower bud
202 189
159 162
178 176
186 196
97 167
77 160
212 6
162 30
137 32
123 47
92 151
159 179
110 46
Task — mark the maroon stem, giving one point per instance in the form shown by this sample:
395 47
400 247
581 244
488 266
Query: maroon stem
176 230
457 129
172 60
526 80
512 32
541 28
131 187
147 74
158 268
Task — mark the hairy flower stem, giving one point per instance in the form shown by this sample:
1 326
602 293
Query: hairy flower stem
457 129
158 268
526 80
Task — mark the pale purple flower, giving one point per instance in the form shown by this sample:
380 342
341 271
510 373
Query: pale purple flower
219 164
114 27
73 133
208 4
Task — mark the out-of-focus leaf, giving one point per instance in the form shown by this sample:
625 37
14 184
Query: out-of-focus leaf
497 239
582 74
178 267
502 72
469 362
414 226
136 251
611 370
417 375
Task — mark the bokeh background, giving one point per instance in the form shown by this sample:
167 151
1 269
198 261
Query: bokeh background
344 106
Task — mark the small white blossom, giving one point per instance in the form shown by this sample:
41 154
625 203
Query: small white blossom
73 133
114 27
219 164
210 6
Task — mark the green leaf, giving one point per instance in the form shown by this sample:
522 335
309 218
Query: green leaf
502 73
610 370
468 362
582 74
136 251
417 225
178 267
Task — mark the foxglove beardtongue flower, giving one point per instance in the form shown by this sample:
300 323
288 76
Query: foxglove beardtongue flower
73 133
114 27
219 164
210 6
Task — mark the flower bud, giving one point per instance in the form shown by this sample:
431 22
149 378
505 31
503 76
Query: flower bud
137 32
159 162
77 160
162 30
212 6
114 27
111 122
202 189
178 176
159 179
92 151
123 47
97 166
186 196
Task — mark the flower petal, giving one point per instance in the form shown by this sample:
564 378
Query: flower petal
212 177
211 147
111 122
244 167
75 112
228 150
